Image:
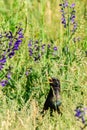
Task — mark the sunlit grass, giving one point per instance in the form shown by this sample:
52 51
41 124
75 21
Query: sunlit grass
41 20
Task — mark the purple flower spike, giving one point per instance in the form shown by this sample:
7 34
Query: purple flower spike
9 49
68 21
80 113
21 36
16 45
3 60
3 83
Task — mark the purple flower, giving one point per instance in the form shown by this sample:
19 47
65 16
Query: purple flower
37 51
4 54
9 50
4 83
80 114
73 16
75 26
29 45
68 20
72 20
2 62
55 48
9 35
10 43
1 67
9 76
64 21
73 5
30 51
11 54
27 73
85 108
66 4
20 35
43 47
63 6
16 45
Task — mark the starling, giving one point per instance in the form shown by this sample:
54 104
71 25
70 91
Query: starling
53 98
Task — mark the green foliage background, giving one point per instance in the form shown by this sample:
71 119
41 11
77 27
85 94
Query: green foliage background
22 101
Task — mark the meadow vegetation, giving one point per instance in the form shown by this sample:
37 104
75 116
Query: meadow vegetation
41 39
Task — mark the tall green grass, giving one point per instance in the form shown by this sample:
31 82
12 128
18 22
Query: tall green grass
22 101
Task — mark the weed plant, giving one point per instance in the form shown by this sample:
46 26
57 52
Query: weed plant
41 39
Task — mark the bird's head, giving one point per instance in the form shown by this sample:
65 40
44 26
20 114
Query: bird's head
54 83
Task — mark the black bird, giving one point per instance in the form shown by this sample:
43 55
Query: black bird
53 99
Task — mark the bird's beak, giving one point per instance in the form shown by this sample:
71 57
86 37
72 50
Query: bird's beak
49 79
